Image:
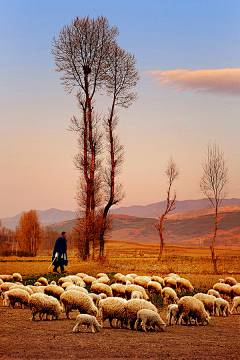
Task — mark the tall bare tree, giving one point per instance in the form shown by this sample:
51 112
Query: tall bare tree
214 185
90 59
172 172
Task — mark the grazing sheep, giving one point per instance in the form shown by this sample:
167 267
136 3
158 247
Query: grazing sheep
136 295
101 275
174 276
172 314
133 306
73 299
66 284
97 297
43 281
155 287
89 320
214 293
16 296
44 304
89 279
101 288
149 318
117 277
26 288
1 281
118 290
134 287
75 279
223 289
17 277
36 289
5 287
236 304
103 280
169 294
63 280
133 276
54 290
221 307
142 281
112 308
230 281
170 282
235 291
207 301
158 279
5 278
124 279
190 307
75 287
81 275
184 285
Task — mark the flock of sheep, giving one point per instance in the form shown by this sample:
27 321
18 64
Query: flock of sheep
125 303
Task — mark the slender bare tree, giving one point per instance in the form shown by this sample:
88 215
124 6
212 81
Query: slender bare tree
213 185
172 172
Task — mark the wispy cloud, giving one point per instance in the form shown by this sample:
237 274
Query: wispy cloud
223 81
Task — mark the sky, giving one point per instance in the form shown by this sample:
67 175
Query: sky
188 58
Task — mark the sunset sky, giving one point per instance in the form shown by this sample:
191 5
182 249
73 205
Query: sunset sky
188 57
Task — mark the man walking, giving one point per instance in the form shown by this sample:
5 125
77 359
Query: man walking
59 256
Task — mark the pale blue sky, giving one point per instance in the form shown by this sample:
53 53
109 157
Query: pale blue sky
37 170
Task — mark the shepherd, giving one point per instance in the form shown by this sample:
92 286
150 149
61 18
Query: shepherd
59 256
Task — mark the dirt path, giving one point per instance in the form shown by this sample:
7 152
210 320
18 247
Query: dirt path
21 338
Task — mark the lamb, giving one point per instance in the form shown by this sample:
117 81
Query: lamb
184 284
112 308
54 290
73 299
155 287
136 295
17 277
173 313
221 307
89 320
150 318
134 287
190 307
214 293
207 301
97 297
118 290
236 304
169 294
16 296
44 304
223 289
101 288
230 281
133 306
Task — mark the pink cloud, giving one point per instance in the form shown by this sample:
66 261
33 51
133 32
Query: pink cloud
223 81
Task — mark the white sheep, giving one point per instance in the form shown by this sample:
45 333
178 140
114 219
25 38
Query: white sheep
133 306
184 285
142 281
170 282
207 301
16 296
89 320
26 288
36 289
235 291
169 294
99 288
155 287
97 297
136 295
133 276
134 287
192 308
44 304
223 289
75 287
89 279
158 279
78 300
230 281
172 314
118 290
112 308
54 290
17 277
5 278
149 318
214 293
43 281
221 307
236 304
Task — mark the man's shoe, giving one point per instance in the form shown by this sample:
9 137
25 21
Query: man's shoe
63 272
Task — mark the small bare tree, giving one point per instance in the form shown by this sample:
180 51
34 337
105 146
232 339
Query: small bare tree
213 185
172 172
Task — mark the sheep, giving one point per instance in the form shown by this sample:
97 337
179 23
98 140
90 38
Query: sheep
223 289
170 282
169 294
236 304
81 275
54 290
118 290
124 279
112 308
214 293
66 284
155 287
133 276
44 304
136 295
230 281
134 287
158 279
36 289
103 280
173 313
5 287
1 281
221 281
16 296
190 307
150 318
17 277
75 287
43 281
89 279
99 275
63 280
97 297
142 281
75 279
73 299
184 284
235 291
89 320
26 288
133 306
207 301
221 307
5 278
174 276
101 288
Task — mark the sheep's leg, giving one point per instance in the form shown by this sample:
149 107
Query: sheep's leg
75 329
143 325
93 331
136 324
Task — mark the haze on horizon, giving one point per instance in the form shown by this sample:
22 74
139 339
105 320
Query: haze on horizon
188 59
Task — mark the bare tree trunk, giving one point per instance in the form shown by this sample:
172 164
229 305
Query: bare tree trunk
212 248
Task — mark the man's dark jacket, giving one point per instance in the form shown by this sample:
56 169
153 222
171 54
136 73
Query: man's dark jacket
59 256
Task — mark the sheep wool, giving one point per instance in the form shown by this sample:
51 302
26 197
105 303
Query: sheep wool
112 308
133 306
17 277
236 304
223 289
214 293
230 281
221 307
101 288
78 300
142 281
89 320
134 287
149 318
190 307
155 287
5 278
54 290
207 301
43 281
136 295
158 279
169 294
235 291
16 296
172 314
44 304
184 285
118 290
